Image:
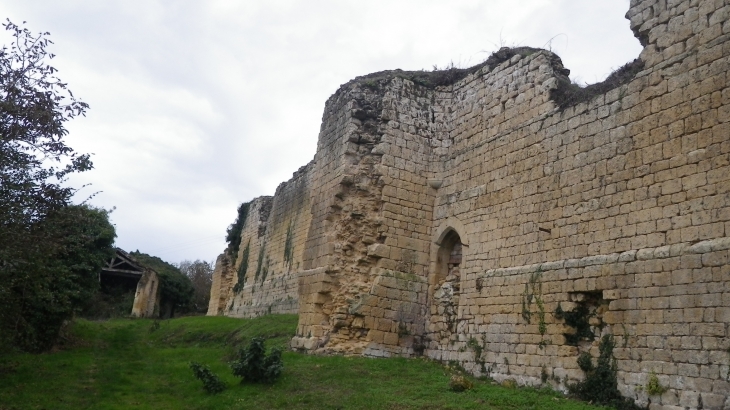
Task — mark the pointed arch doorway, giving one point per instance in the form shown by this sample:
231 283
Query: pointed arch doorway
449 258
445 284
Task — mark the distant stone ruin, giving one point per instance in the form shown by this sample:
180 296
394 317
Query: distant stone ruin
505 219
123 271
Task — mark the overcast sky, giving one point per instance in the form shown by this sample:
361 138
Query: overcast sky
197 106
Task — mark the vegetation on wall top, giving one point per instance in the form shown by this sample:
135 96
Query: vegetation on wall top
569 94
448 76
233 233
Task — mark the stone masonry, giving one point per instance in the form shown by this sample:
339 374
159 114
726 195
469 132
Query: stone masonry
505 219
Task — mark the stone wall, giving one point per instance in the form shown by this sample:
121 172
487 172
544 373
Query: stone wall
264 276
147 295
503 218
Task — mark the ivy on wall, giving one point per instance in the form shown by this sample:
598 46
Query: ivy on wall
242 269
233 233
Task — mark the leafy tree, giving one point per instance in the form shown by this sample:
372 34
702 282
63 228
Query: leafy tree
200 274
176 290
34 107
50 252
53 277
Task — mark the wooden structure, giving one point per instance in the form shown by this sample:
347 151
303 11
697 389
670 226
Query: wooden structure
123 269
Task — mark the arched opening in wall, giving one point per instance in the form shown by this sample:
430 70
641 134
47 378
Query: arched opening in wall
449 260
448 283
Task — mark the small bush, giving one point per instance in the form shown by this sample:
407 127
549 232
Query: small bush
211 383
460 383
253 365
600 385
653 387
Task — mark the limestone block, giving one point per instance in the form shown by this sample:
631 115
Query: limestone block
379 250
375 336
390 339
612 294
716 258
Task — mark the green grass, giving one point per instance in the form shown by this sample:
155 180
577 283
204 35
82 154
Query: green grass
136 364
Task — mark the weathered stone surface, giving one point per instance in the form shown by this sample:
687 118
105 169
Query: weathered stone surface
618 204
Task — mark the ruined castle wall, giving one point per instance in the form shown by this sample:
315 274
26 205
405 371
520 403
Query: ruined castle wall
328 182
353 303
593 207
271 252
390 314
577 220
330 167
497 161
221 285
407 199
618 205
370 298
289 223
286 237
233 274
491 159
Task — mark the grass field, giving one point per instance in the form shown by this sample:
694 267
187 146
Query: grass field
143 364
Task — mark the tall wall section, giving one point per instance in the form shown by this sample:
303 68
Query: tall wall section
503 218
263 276
618 206
352 227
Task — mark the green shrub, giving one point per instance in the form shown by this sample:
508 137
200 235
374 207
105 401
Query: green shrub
654 387
600 385
253 365
211 383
